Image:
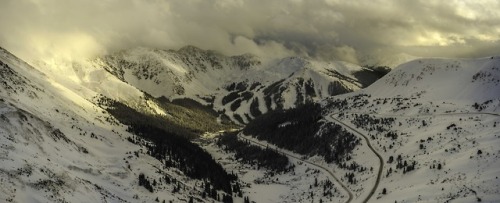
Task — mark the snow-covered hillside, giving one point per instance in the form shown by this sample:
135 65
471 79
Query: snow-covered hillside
443 79
427 131
241 86
434 124
59 143
57 146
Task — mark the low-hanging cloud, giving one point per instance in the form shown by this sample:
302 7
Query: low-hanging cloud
329 29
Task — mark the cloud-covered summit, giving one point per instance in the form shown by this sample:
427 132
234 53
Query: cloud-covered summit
329 29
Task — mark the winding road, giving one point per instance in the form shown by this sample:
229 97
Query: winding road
381 160
350 195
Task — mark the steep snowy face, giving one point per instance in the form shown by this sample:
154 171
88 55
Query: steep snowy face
241 86
189 71
57 146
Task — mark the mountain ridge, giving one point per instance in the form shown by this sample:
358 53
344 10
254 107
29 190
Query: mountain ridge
59 146
198 74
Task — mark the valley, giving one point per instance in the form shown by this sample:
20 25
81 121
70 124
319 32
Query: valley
148 125
248 101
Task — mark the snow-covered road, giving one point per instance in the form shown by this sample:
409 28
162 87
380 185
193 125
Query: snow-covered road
381 160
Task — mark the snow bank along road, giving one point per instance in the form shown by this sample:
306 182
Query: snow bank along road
290 155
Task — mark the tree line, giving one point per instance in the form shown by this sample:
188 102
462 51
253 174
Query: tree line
171 147
302 131
254 155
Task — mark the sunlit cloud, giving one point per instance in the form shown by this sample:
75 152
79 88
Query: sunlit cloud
326 30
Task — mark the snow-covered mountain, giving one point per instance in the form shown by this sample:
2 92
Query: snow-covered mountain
444 85
108 129
58 146
427 131
241 86
434 123
64 138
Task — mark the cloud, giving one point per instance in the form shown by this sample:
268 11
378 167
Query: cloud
327 30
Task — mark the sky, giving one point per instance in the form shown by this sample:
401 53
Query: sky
321 29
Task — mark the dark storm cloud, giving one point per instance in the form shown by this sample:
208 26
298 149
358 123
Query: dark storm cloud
329 29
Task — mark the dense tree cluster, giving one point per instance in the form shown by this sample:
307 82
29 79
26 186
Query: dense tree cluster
484 105
238 87
254 108
300 130
371 123
172 148
238 118
300 98
188 117
230 97
337 104
143 181
393 135
350 178
236 104
254 155
211 192
255 85
176 151
192 115
309 88
305 91
354 102
274 91
237 95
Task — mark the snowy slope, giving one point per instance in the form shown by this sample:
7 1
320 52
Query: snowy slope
209 77
434 123
57 146
87 81
205 76
458 79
